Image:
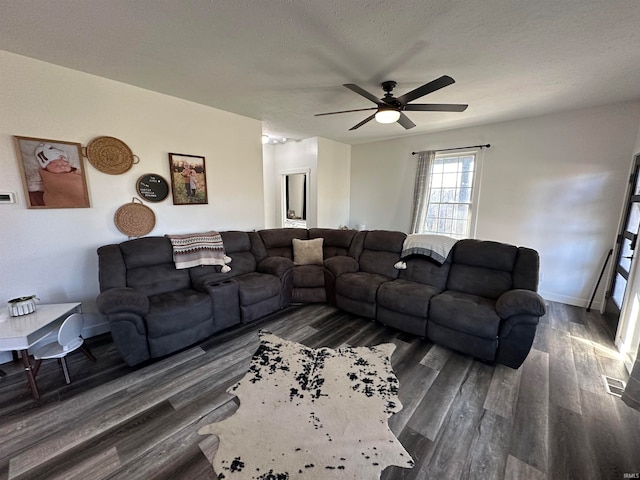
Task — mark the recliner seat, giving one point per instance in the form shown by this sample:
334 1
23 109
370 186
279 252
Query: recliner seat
466 316
404 303
357 290
155 309
144 294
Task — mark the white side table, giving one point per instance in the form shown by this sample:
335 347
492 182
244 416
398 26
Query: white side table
20 333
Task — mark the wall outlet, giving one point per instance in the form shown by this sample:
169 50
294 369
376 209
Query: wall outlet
7 197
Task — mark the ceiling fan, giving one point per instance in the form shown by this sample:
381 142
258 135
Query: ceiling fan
391 109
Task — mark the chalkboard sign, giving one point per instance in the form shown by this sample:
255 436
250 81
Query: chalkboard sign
152 187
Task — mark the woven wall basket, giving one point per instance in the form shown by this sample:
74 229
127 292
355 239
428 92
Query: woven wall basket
135 219
110 155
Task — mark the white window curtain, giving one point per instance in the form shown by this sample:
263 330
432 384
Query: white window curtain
421 191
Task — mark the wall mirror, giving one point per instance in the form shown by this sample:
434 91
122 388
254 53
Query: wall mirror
295 196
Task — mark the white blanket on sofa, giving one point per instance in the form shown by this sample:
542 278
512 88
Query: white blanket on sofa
436 247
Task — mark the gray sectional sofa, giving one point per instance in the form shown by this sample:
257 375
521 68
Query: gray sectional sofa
481 301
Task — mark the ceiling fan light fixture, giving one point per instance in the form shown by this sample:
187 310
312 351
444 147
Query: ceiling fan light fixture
387 115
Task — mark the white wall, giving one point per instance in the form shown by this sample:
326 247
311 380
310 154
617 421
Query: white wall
554 183
329 167
269 176
296 157
52 252
334 181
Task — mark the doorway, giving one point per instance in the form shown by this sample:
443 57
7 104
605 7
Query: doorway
294 199
624 251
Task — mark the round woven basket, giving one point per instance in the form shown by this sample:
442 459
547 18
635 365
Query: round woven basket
110 155
135 219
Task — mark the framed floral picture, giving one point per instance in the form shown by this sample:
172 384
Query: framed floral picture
52 173
188 179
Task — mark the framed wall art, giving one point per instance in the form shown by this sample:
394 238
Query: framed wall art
52 173
188 179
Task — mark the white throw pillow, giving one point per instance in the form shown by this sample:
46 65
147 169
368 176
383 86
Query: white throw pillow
307 252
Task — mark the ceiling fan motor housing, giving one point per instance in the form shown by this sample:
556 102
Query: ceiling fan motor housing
388 86
388 98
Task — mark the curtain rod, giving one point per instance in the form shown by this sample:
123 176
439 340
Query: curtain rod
486 145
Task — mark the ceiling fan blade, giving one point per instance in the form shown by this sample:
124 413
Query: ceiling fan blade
432 86
363 92
366 120
405 121
436 107
345 111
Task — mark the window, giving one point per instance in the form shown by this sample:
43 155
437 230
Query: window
450 195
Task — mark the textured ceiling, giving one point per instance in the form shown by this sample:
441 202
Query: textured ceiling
281 61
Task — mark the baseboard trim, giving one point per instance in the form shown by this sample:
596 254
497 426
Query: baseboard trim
95 324
575 301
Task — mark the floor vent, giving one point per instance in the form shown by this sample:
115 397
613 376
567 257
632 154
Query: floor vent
614 386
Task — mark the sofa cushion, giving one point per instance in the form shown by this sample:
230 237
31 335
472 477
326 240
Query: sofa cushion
380 263
255 287
406 323
482 268
384 241
250 313
122 299
278 241
176 311
381 250
235 241
308 276
424 270
406 297
336 242
526 269
482 348
241 264
357 307
469 314
360 286
484 282
157 279
484 253
307 252
309 295
146 251
112 271
520 302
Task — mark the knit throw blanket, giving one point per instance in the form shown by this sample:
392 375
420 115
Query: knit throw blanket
195 249
436 247
311 414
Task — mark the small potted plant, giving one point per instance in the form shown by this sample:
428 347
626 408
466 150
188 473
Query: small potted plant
22 305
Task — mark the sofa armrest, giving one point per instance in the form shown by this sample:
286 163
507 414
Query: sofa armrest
520 302
341 264
278 266
122 300
129 334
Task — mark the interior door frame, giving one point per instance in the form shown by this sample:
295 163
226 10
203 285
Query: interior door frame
628 327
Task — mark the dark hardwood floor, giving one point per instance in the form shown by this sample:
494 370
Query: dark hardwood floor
462 419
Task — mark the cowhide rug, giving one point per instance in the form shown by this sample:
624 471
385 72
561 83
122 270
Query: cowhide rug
311 414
